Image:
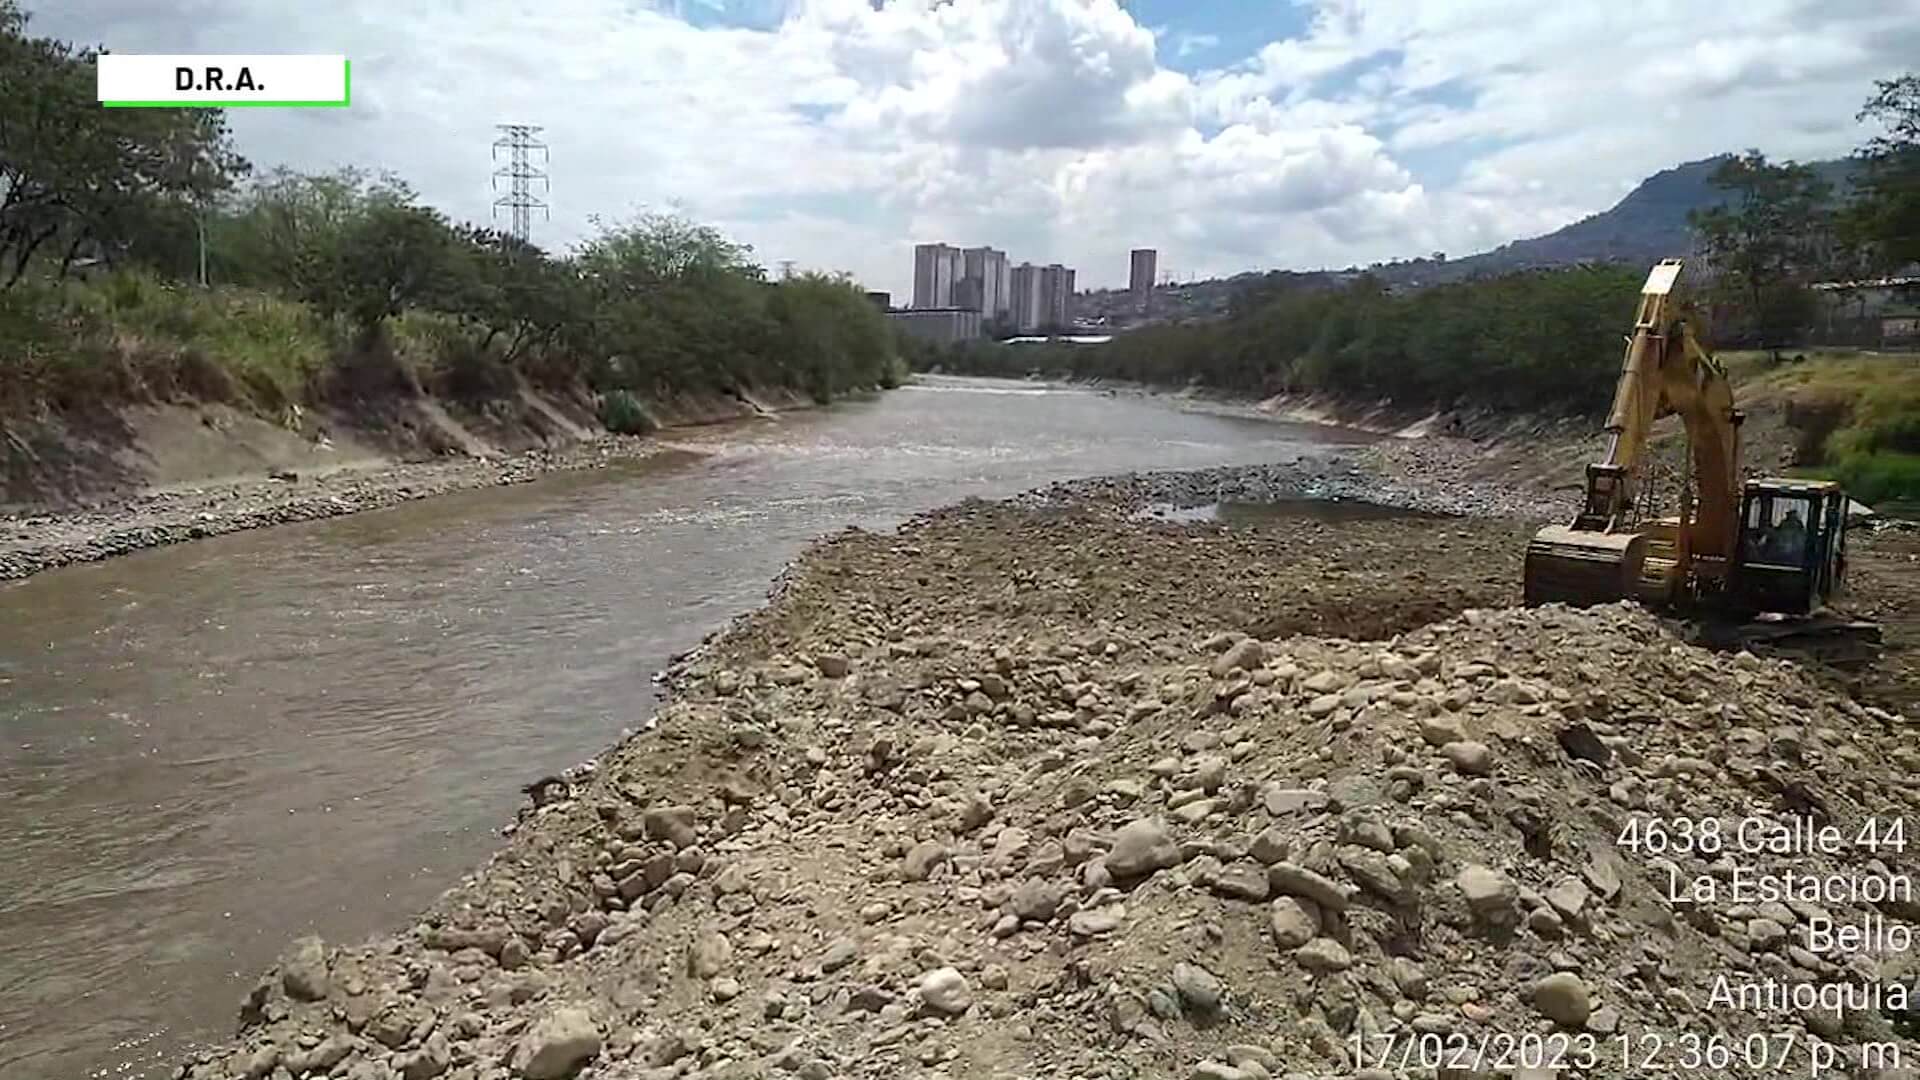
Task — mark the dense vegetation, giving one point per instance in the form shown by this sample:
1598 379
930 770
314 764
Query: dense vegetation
345 287
1547 340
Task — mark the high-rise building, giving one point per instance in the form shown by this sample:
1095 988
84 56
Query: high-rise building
970 293
1056 296
1140 275
936 268
990 266
1024 303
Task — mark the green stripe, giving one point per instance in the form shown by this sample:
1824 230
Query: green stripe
251 103
223 104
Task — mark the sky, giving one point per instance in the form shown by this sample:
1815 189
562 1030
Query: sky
1229 134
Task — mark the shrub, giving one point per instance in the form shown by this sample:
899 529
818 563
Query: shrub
623 414
377 298
450 357
1877 478
1546 340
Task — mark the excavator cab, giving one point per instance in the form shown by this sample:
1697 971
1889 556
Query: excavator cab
1792 556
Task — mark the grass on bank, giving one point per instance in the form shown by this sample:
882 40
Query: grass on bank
132 337
1862 409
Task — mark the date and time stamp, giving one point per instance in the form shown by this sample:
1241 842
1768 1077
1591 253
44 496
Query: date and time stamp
1753 865
1784 1053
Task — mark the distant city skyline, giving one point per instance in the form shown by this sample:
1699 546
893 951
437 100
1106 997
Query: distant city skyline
1025 297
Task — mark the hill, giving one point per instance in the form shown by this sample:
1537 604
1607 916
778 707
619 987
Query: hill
1649 224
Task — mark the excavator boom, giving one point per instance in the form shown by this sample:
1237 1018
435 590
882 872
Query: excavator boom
1614 549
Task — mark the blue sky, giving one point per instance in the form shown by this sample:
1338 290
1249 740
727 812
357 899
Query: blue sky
1199 37
1232 135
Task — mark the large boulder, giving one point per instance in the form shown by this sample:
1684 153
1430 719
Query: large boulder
304 971
1142 847
557 1045
945 991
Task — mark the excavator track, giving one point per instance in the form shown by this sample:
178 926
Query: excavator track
1830 638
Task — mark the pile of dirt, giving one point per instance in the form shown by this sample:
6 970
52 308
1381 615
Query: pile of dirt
1013 793
1378 477
1538 464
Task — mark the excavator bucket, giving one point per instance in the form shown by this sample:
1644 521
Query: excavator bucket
1582 567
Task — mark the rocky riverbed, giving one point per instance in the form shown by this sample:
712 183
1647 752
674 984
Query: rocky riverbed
1374 476
32 541
1040 789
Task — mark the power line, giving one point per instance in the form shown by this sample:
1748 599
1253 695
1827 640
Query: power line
521 174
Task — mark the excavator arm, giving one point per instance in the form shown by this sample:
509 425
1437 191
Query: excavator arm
1613 550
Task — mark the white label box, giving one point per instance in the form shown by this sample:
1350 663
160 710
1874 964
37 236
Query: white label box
273 80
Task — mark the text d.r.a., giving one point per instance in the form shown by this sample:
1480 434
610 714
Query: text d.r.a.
213 78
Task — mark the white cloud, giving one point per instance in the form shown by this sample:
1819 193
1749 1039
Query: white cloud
1590 97
838 133
1005 75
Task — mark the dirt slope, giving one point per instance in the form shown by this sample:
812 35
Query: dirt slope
60 461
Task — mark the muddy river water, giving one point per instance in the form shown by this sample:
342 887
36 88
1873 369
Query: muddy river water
207 750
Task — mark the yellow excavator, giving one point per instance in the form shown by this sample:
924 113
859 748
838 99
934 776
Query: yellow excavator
1768 554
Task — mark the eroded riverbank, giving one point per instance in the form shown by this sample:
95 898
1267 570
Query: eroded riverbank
1048 790
34 541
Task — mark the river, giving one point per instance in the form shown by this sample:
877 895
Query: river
209 749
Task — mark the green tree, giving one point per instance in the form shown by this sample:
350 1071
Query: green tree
1546 341
392 257
273 232
77 179
832 335
1885 215
1767 242
652 252
676 304
519 295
